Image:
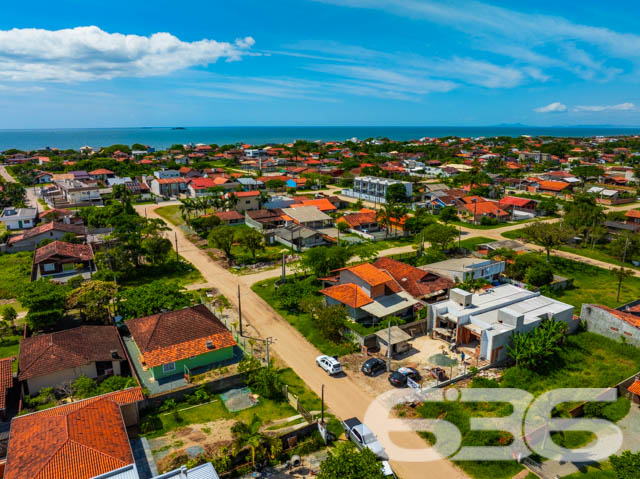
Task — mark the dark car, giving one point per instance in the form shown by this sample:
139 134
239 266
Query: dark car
373 366
438 373
399 378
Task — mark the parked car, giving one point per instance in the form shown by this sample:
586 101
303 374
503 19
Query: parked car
399 378
373 366
438 373
329 364
362 437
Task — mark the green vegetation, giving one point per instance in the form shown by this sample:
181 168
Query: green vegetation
172 214
152 298
302 321
345 461
472 243
15 273
10 346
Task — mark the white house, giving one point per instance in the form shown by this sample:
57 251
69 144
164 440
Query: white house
483 324
19 218
165 174
467 269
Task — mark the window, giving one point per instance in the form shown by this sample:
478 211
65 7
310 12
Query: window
167 368
48 267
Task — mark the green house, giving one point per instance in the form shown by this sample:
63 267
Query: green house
191 337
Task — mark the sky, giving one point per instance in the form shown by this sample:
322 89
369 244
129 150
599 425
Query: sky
98 63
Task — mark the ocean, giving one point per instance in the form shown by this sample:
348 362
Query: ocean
164 137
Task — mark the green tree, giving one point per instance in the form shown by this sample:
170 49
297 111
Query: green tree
346 462
584 172
291 293
626 465
45 301
342 227
156 249
275 184
252 240
548 206
439 235
152 298
222 238
93 299
396 193
330 320
539 274
448 214
547 235
9 314
537 348
621 274
248 435
323 259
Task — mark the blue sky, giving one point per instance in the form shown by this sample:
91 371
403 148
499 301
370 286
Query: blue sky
79 63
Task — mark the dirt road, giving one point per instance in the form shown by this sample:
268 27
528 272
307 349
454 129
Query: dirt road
5 174
342 395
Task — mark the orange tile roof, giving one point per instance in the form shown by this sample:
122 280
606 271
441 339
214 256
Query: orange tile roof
101 171
553 185
80 252
485 208
415 281
632 214
6 380
357 219
634 388
168 337
76 441
349 294
322 204
629 318
370 274
169 181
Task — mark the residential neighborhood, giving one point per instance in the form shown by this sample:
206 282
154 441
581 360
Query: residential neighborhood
214 311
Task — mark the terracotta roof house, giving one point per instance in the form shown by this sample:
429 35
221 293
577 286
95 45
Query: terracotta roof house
59 214
370 294
48 360
230 218
80 440
60 261
247 200
419 283
510 203
365 221
323 204
29 240
200 186
6 382
633 216
101 174
553 187
191 337
485 208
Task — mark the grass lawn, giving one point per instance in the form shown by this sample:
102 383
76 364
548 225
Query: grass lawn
472 243
303 322
183 272
172 214
266 409
10 346
15 273
600 471
592 285
513 234
466 224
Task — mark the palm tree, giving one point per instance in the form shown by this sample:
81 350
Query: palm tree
385 215
232 201
186 208
621 273
398 212
248 435
264 197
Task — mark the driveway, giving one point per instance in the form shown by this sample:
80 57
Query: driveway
342 395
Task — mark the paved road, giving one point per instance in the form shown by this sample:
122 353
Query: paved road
343 396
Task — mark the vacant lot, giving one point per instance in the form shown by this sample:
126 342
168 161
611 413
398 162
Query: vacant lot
15 273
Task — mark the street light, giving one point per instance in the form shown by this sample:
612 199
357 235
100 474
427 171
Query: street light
475 208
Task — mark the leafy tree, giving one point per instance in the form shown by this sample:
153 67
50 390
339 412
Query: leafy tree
365 251
248 435
323 259
625 246
396 193
547 235
222 237
584 172
419 221
342 227
156 249
621 273
539 274
252 240
548 206
264 380
152 298
448 214
537 348
45 301
330 320
275 184
291 293
9 314
346 462
583 213
626 465
440 235
93 299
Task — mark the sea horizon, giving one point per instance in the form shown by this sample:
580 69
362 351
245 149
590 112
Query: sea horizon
163 137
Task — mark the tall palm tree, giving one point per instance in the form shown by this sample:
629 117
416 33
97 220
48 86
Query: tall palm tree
248 435
186 208
385 215
232 201
398 212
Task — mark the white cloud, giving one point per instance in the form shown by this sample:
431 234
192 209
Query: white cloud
619 107
555 107
89 53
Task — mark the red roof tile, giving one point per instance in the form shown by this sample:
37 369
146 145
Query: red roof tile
81 252
76 441
629 318
515 201
48 353
101 171
349 294
632 214
415 281
6 379
634 388
553 185
370 274
167 337
54 226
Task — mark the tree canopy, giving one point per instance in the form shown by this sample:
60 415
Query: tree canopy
152 298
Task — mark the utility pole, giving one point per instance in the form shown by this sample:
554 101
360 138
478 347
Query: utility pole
176 239
389 347
322 407
284 273
267 344
239 311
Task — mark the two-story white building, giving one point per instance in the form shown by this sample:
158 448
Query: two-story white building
462 270
372 188
19 218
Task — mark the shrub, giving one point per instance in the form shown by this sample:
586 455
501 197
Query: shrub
150 423
488 221
540 274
